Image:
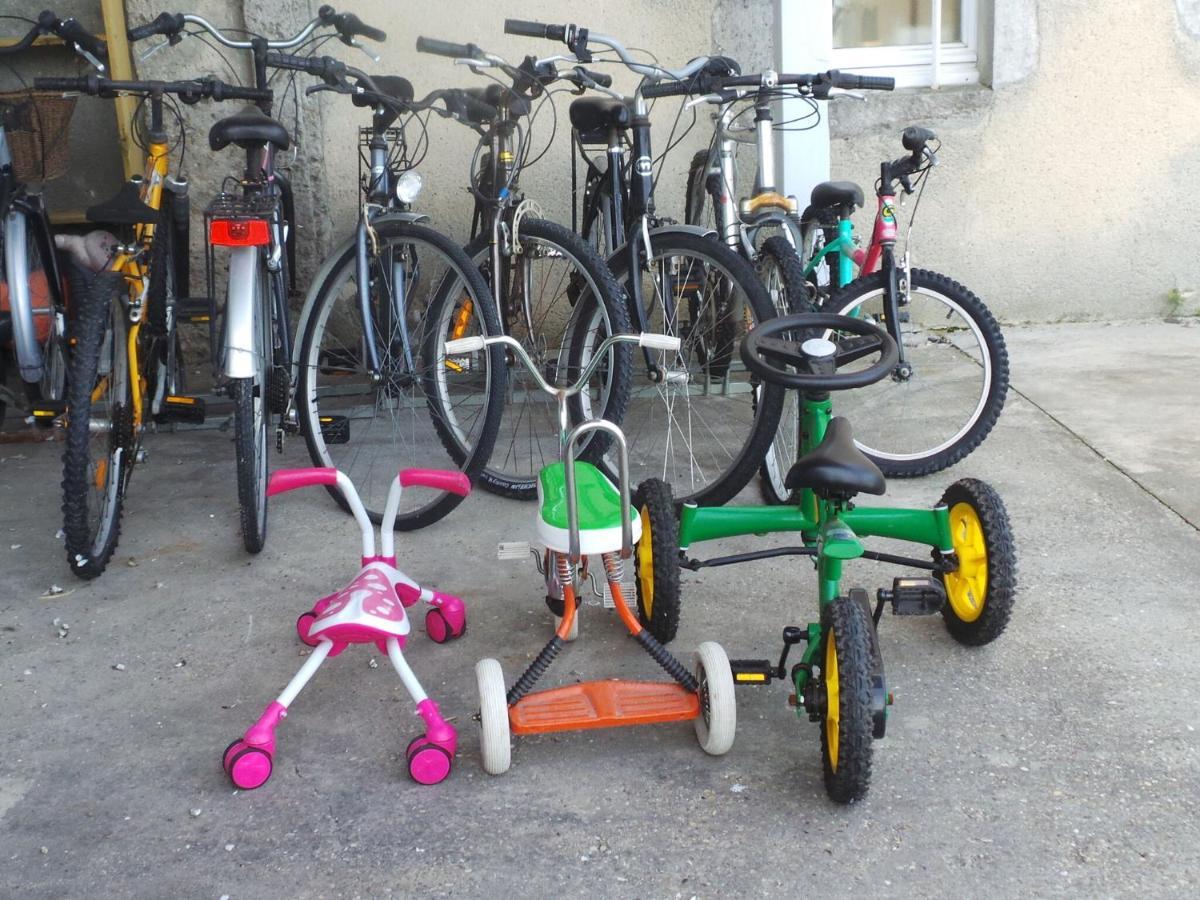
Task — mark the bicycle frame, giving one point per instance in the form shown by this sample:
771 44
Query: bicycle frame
851 257
830 530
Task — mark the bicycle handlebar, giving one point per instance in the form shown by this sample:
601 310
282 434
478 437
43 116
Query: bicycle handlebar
476 343
72 33
348 25
819 83
187 91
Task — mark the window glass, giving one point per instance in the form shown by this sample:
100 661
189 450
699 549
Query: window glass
892 23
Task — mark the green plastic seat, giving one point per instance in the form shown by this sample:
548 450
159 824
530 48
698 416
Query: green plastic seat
599 510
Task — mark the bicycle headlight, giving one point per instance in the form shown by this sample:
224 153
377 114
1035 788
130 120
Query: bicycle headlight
408 187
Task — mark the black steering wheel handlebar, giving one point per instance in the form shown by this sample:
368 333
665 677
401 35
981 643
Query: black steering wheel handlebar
815 368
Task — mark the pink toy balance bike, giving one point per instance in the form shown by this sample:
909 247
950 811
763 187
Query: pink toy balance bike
369 610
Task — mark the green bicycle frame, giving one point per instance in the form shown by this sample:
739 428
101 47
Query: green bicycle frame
832 527
843 246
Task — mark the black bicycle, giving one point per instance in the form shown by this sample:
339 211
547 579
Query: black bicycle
697 418
553 292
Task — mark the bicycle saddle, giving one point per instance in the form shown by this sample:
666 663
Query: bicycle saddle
394 86
836 194
836 467
249 128
592 117
126 208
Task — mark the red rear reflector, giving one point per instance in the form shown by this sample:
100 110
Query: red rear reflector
239 232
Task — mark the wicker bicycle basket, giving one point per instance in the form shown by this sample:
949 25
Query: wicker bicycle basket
35 124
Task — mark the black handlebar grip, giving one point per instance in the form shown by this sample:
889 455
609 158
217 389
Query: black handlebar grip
349 24
166 24
862 82
446 48
601 78
535 29
219 90
476 109
70 30
293 63
62 84
667 89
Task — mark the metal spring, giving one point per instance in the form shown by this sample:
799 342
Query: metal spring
562 568
614 567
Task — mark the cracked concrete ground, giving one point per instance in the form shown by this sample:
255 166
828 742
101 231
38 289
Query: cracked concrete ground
1061 760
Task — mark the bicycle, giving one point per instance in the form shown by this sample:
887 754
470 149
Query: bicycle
372 375
949 385
765 228
702 421
35 308
582 513
125 342
839 680
252 351
544 277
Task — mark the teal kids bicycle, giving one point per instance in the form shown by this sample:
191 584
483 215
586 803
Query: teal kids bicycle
839 679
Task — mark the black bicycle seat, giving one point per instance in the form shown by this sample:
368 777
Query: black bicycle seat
836 466
592 117
250 128
837 194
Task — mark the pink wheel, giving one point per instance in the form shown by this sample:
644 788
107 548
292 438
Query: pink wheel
438 627
247 767
427 762
303 624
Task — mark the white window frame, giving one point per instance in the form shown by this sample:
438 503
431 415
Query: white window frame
922 65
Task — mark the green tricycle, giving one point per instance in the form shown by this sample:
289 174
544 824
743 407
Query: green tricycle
839 680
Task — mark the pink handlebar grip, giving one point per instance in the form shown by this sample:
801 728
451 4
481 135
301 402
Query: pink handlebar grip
290 479
438 479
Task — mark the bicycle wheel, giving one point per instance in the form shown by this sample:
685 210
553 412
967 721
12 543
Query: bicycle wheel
25 258
705 426
699 208
423 409
99 432
165 362
252 420
933 414
781 273
552 286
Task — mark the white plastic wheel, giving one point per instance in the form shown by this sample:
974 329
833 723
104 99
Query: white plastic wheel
574 632
717 722
493 717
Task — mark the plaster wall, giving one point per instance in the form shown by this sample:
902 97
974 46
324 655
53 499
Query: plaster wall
1062 193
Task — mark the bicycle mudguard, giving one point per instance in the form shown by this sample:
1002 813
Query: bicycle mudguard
343 250
240 347
675 228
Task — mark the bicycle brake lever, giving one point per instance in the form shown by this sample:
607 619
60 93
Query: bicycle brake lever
152 49
707 98
353 43
835 92
95 63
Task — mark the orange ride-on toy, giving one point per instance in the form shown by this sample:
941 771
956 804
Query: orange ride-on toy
582 514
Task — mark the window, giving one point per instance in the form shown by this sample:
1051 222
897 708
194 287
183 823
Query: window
923 43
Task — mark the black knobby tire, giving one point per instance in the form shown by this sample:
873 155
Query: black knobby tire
251 425
993 610
656 560
792 297
845 623
698 195
741 454
899 419
89 458
530 429
459 284
164 363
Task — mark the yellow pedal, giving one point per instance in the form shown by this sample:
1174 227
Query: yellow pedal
177 408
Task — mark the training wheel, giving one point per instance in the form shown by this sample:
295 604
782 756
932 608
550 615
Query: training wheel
493 717
427 762
247 767
717 722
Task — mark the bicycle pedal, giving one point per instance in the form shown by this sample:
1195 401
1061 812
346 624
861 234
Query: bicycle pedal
45 412
189 410
193 310
752 671
335 429
512 550
911 596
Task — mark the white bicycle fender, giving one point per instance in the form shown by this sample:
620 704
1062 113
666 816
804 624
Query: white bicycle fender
240 347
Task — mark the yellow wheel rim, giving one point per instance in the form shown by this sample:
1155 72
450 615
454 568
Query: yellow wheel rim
645 566
832 700
966 589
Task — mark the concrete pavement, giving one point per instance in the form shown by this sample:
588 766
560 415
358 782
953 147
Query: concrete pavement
1061 760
